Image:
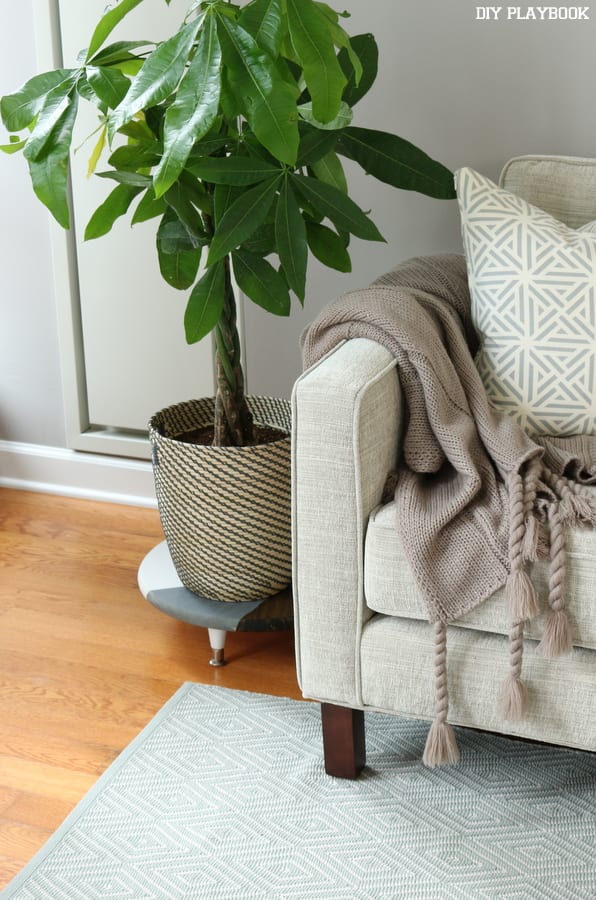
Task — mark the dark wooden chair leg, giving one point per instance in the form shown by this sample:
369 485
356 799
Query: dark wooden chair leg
343 740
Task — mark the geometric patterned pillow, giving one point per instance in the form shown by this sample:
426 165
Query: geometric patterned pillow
533 288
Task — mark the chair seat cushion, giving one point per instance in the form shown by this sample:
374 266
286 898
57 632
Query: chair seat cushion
390 588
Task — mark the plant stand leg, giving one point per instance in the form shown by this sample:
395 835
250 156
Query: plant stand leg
217 640
343 740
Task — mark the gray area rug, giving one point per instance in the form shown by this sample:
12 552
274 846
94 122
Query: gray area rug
224 795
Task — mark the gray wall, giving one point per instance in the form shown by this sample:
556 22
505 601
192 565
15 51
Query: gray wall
469 92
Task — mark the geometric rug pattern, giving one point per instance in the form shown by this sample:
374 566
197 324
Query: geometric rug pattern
533 287
224 796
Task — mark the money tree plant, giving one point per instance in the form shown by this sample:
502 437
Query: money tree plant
229 134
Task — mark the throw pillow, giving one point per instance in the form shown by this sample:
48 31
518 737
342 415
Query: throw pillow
533 288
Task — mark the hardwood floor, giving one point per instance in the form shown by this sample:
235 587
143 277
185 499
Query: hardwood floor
85 661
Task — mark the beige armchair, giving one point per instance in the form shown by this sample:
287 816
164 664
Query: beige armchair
363 639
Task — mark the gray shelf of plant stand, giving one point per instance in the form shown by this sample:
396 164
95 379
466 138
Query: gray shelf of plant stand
160 585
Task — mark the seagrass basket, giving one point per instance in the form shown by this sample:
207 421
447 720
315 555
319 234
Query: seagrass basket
225 511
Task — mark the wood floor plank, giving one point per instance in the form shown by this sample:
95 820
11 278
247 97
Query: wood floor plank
86 661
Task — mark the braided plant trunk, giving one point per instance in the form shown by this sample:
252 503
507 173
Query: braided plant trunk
233 426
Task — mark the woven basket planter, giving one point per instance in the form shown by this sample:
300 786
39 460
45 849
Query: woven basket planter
225 511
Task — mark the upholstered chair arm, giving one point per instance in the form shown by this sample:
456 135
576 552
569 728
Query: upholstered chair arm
346 427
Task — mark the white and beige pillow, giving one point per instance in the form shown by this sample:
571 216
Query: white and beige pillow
533 287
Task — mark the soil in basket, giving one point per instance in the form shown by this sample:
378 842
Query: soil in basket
264 434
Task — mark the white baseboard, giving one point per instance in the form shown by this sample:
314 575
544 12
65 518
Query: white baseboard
54 470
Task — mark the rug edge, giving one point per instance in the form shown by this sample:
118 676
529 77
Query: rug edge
17 882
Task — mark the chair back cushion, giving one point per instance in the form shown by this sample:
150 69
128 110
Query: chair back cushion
564 186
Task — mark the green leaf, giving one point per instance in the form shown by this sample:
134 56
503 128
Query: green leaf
132 179
290 234
194 110
330 170
19 109
148 208
328 247
263 20
173 236
177 197
342 39
224 196
395 161
115 205
205 304
365 47
139 155
259 280
242 218
14 146
311 38
54 107
49 173
107 23
314 144
341 120
334 204
237 170
161 72
267 100
118 52
109 84
178 260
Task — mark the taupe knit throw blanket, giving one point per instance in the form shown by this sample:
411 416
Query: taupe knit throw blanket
476 497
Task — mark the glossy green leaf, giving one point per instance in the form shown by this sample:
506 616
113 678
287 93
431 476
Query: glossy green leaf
107 23
53 109
328 247
263 20
242 218
177 197
261 282
395 161
195 109
330 170
224 196
314 144
138 155
341 120
239 170
178 259
365 47
115 205
311 38
161 72
268 102
49 173
148 208
173 235
132 179
334 204
109 84
342 39
205 303
19 109
290 235
118 52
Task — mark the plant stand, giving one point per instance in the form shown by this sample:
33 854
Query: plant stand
160 585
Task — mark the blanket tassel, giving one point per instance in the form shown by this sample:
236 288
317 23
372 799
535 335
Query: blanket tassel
441 745
513 701
557 637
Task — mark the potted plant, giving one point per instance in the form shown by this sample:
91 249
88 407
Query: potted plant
229 135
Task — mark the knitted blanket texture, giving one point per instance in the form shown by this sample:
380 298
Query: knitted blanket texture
476 497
